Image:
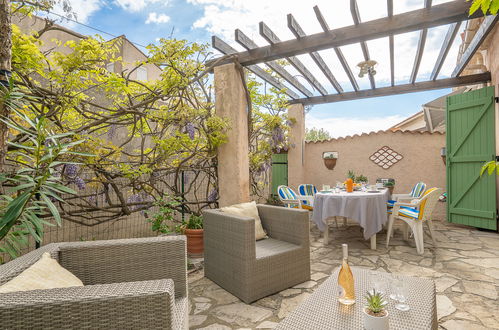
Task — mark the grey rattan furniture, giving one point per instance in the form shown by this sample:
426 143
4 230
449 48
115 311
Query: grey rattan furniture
322 310
129 284
251 269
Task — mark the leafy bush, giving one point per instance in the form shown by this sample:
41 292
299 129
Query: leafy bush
194 222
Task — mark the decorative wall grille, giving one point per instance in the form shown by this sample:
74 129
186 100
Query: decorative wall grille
385 157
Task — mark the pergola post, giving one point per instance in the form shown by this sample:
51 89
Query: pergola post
233 159
296 113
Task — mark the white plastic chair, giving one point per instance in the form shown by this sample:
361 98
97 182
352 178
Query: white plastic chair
290 199
414 214
416 192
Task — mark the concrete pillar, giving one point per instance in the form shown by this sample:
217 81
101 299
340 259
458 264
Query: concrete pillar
296 173
233 156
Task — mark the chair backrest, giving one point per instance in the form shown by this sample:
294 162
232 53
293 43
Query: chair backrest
307 189
286 193
418 190
428 203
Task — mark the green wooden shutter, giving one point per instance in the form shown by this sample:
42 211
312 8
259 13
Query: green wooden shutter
470 143
279 171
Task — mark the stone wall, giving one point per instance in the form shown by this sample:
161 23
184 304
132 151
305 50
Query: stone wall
421 160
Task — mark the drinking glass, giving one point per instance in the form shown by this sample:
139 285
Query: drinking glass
396 283
378 282
325 187
402 296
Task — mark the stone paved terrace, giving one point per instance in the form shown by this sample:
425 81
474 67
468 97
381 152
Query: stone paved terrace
464 265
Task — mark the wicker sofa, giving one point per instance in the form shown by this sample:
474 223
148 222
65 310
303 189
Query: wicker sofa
251 269
129 284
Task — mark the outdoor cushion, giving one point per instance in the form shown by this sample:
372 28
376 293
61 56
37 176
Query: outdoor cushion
44 274
409 212
247 210
271 247
390 203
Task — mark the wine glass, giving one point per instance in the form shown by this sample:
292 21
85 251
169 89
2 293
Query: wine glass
402 295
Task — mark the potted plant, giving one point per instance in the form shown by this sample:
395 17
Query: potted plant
375 314
193 229
330 159
390 185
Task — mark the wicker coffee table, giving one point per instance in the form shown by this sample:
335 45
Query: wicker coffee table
323 311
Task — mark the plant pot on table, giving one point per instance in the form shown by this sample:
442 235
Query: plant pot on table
375 322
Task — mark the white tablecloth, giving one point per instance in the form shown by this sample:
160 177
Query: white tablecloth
368 209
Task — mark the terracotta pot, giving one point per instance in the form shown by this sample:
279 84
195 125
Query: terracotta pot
195 244
330 163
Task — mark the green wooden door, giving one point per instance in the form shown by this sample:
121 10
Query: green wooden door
279 171
470 143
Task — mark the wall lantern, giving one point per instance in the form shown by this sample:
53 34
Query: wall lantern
330 158
443 154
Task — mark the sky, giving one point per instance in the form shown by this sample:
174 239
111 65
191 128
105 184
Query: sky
145 21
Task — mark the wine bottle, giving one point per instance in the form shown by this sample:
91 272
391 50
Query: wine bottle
346 294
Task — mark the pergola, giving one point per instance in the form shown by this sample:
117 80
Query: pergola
232 101
421 20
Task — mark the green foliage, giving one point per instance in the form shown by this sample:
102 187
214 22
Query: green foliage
490 167
389 184
375 302
194 222
30 192
356 178
163 221
316 134
487 6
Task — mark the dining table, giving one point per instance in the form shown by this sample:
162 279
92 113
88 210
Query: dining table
368 208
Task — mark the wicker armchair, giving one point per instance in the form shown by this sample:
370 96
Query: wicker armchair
251 269
129 284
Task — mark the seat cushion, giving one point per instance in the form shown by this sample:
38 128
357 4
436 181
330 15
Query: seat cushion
44 274
409 213
268 247
247 210
390 203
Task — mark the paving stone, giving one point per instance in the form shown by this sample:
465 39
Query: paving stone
318 276
477 254
464 316
196 320
426 262
492 272
241 314
201 299
221 296
201 307
288 305
456 289
271 302
491 322
444 282
483 262
267 325
289 292
462 325
216 326
445 307
320 267
306 285
482 289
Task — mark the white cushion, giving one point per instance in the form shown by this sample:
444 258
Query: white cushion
248 210
46 273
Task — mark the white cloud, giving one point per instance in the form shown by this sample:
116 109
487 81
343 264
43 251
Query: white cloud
137 5
157 18
222 17
83 9
341 126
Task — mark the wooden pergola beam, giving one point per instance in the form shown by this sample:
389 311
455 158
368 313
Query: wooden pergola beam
354 9
391 42
226 49
337 50
447 44
398 89
299 33
247 43
273 39
446 13
420 50
480 35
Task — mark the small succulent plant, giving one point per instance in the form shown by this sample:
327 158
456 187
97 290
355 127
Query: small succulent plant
375 302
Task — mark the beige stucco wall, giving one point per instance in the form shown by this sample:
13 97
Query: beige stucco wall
421 162
296 114
233 156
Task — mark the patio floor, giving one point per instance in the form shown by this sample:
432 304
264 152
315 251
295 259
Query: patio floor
464 265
